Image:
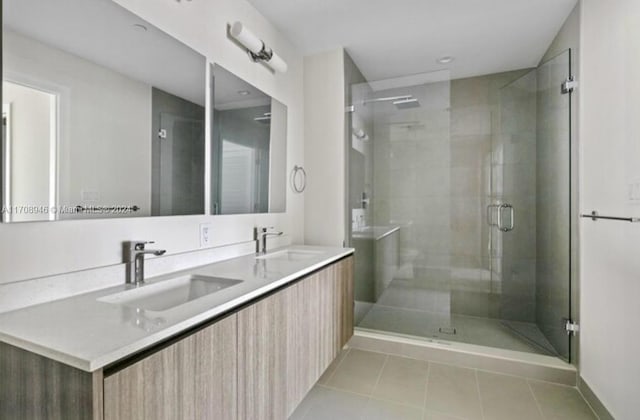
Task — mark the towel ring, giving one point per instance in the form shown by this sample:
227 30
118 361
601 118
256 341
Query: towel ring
298 187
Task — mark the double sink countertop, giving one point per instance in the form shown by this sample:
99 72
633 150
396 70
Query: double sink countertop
93 330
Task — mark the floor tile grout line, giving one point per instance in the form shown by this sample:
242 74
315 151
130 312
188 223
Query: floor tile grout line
475 375
536 400
338 365
472 368
331 388
426 387
444 414
395 402
587 402
430 364
494 372
379 375
369 398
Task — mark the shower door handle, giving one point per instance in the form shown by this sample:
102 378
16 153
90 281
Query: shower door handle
512 221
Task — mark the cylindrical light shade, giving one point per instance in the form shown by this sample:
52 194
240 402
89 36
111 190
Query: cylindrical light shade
277 63
246 38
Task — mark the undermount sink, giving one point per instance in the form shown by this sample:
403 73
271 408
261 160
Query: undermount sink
289 255
168 294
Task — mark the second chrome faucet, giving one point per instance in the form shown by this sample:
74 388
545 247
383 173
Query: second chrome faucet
134 252
260 236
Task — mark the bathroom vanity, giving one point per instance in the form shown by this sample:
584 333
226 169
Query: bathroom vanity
250 350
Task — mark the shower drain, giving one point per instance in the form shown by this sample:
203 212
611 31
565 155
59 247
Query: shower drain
447 330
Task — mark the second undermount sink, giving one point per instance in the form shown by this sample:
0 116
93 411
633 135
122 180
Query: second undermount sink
290 255
169 294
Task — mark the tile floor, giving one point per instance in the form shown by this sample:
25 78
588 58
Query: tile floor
376 386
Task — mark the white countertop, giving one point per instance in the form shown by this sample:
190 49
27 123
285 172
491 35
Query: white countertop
89 334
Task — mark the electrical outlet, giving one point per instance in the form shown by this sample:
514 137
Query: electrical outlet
205 235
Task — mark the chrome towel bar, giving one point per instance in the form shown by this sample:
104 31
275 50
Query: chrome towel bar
594 216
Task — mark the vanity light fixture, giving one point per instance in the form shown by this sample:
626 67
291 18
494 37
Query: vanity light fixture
243 92
256 48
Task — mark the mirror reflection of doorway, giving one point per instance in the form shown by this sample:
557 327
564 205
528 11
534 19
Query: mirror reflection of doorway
29 144
4 190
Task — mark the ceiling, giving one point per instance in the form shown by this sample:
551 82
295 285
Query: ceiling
391 38
104 33
229 88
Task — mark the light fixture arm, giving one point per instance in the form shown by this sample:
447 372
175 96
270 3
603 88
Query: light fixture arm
256 47
265 54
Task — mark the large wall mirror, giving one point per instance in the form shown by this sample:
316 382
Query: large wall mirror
249 146
103 115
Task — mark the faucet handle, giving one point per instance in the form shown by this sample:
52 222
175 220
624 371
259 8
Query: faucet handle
138 245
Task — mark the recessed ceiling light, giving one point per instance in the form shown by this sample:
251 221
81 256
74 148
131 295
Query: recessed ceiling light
446 59
140 27
243 92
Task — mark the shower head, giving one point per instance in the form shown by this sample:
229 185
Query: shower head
406 103
401 102
264 118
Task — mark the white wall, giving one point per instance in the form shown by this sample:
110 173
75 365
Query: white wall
39 249
95 153
610 162
324 96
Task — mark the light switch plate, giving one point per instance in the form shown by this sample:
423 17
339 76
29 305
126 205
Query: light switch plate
205 235
634 191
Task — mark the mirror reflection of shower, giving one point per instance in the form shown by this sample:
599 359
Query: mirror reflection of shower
401 102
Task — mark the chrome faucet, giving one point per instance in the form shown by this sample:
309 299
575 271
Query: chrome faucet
134 252
260 236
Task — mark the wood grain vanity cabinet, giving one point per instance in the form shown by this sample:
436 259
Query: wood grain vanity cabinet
256 363
194 378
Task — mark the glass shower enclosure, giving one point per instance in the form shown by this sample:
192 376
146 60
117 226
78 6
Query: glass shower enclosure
459 192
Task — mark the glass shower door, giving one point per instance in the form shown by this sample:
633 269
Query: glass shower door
399 151
529 210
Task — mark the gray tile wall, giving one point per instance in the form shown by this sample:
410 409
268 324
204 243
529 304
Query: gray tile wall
432 176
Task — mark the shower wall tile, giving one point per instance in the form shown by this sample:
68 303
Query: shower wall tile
467 261
470 92
466 181
470 121
433 177
469 151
